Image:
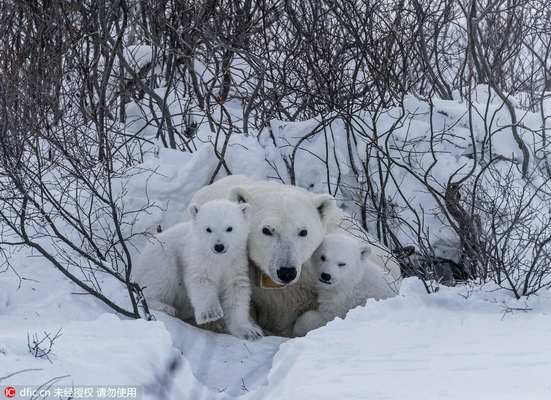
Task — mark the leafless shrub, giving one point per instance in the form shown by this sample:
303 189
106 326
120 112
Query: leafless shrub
42 347
515 239
62 152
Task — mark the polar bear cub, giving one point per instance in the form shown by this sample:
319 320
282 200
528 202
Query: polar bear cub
199 268
345 279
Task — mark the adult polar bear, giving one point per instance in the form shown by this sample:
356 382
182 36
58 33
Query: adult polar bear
288 223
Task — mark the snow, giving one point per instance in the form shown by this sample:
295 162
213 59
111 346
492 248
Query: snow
463 342
454 344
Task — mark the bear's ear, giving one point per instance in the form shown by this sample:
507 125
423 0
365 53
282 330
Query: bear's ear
246 209
193 210
365 251
239 194
325 204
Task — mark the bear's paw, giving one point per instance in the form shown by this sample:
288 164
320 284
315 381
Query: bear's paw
248 332
209 314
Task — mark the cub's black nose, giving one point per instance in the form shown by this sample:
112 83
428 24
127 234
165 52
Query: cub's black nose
286 274
325 277
219 248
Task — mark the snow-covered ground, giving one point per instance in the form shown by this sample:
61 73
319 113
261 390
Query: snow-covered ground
463 342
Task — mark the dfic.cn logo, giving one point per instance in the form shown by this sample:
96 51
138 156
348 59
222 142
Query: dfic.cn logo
9 392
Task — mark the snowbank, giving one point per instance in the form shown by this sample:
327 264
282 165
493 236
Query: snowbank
458 343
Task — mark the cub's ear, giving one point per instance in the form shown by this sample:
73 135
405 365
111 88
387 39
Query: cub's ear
246 209
239 195
193 210
325 204
365 251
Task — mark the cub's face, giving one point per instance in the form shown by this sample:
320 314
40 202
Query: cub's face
337 261
221 226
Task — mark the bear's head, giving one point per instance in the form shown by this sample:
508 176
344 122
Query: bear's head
221 226
287 225
337 261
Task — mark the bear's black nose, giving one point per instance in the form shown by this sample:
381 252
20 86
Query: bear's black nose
219 248
286 274
325 277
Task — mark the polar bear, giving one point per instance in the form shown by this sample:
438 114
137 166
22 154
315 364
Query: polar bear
345 278
200 268
288 224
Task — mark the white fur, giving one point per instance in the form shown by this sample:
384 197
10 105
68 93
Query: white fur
345 278
199 268
285 210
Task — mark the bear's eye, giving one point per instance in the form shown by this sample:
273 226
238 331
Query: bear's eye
229 229
341 264
267 231
209 230
322 258
303 233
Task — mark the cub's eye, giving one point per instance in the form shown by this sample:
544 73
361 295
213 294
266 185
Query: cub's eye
229 229
209 230
341 264
303 233
322 258
267 231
